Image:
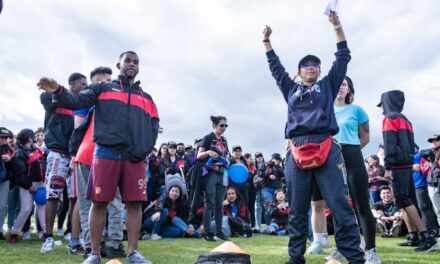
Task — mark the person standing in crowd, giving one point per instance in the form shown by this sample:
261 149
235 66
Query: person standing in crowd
30 168
39 140
259 181
398 138
353 135
388 217
311 120
58 127
376 178
214 146
170 163
126 126
252 191
7 154
237 158
431 167
423 201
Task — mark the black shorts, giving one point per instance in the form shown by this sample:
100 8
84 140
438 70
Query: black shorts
403 188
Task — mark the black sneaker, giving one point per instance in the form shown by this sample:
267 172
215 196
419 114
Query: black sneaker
209 237
116 252
410 242
87 252
427 245
76 250
103 249
220 236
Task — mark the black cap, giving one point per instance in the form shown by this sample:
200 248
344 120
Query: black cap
276 156
235 147
172 144
258 154
188 147
4 132
309 58
434 138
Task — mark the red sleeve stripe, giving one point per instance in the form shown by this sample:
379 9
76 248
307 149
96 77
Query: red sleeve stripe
396 125
64 111
146 105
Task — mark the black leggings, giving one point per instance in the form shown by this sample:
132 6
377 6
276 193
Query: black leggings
357 181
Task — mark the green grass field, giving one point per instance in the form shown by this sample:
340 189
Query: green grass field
263 249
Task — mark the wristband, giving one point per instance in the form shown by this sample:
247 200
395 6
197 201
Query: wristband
336 27
266 40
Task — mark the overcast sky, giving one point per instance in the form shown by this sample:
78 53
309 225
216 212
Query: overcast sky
204 57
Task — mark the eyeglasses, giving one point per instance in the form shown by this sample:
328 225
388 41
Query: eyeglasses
230 193
306 65
223 125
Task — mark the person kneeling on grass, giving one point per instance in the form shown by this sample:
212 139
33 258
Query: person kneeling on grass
388 217
279 212
169 217
236 218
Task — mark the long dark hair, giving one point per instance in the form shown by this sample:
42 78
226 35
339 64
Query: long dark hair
349 98
376 158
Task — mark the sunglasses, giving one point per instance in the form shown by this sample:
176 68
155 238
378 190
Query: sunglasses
223 125
230 193
306 65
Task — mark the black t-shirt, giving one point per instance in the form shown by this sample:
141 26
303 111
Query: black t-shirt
210 142
387 209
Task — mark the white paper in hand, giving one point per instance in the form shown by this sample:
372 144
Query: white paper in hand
332 6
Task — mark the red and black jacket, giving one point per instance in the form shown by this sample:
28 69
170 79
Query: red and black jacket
398 135
29 166
58 124
279 216
126 118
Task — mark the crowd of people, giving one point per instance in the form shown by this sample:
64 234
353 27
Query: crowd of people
95 160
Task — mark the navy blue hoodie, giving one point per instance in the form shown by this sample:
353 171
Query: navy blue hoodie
310 109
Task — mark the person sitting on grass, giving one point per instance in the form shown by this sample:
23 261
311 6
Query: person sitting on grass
169 218
236 218
388 217
279 213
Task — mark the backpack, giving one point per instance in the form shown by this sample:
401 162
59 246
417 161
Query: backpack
240 227
223 258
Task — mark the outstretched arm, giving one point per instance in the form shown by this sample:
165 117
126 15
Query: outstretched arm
334 19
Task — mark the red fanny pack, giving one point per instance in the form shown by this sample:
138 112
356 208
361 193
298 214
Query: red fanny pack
312 155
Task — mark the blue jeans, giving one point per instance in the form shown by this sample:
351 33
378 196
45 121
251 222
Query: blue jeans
13 205
155 227
258 209
177 229
267 197
274 228
375 197
226 229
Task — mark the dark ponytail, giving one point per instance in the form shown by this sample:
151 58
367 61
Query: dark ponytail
216 119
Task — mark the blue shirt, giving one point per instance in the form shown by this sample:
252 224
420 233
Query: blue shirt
105 153
349 118
82 112
418 177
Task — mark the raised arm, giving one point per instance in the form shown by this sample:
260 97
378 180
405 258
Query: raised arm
276 68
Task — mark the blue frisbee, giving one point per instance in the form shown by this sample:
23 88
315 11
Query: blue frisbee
238 173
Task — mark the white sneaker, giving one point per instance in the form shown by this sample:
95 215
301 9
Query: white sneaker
68 236
155 237
48 245
26 236
315 248
336 255
146 236
372 257
40 235
60 232
326 243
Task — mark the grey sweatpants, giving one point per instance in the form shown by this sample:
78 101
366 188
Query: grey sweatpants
115 209
4 191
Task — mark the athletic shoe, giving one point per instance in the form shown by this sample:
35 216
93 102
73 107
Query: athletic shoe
372 257
60 232
48 245
68 236
255 230
427 245
92 259
395 231
26 236
13 239
87 253
136 257
40 235
315 248
209 237
155 237
336 255
382 230
326 243
220 236
103 249
76 250
410 242
144 236
116 252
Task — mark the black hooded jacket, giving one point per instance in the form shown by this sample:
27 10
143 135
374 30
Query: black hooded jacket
398 134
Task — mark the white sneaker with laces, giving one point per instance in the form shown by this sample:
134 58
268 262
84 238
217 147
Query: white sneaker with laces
336 255
137 257
48 245
26 236
60 232
68 236
155 237
315 248
372 257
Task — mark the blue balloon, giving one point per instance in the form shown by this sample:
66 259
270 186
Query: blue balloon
40 196
238 173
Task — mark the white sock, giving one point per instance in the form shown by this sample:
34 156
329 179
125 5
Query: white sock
320 237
